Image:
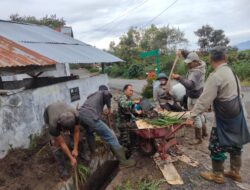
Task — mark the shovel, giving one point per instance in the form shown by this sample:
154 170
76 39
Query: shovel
171 72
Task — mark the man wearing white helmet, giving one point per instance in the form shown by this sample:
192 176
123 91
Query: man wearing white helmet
162 99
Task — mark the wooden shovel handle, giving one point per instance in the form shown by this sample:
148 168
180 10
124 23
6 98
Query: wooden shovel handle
171 72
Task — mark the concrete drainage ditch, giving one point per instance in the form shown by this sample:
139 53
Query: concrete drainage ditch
98 180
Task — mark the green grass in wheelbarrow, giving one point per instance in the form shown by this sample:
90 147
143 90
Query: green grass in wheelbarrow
164 121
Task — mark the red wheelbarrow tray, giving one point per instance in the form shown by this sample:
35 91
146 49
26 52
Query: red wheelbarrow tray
166 134
152 132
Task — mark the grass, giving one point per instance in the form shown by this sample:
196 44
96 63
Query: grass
149 185
82 172
245 83
124 186
33 140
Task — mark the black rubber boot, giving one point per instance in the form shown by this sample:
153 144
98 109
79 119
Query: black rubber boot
91 143
83 154
62 164
198 137
120 155
204 131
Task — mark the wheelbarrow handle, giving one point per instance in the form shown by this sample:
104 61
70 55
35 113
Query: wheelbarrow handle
176 129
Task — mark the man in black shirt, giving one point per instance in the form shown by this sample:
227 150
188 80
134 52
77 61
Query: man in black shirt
64 129
90 118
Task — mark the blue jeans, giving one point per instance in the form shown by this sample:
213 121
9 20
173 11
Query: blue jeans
101 129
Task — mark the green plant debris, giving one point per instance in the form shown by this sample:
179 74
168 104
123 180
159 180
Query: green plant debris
82 173
164 121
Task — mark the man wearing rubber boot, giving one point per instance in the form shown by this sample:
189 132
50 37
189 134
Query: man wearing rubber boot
163 100
126 116
90 118
229 132
64 129
194 86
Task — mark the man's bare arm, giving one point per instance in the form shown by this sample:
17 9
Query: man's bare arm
76 140
60 142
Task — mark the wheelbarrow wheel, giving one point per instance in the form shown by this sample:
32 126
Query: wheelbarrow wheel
147 147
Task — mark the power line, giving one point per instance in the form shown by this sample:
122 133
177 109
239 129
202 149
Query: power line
122 15
160 13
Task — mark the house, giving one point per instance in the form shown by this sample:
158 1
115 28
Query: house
34 67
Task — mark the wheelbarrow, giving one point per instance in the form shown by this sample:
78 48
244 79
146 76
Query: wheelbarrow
157 139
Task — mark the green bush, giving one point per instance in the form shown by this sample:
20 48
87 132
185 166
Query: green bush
181 69
150 67
74 66
117 71
242 55
147 91
108 69
242 69
135 71
93 70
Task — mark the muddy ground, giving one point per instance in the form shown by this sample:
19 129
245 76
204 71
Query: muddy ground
146 170
32 169
29 169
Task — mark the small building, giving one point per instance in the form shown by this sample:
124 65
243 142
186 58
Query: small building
34 68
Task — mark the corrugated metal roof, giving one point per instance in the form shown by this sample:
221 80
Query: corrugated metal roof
15 55
53 44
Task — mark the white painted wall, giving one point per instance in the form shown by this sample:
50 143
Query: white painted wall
18 123
62 69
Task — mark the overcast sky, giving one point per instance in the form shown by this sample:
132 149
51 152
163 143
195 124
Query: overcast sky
97 22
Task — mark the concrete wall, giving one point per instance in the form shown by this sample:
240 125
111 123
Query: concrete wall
22 114
62 69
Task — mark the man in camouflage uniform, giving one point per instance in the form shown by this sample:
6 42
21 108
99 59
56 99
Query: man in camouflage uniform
126 115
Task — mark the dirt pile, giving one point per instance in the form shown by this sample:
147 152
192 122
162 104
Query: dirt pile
28 169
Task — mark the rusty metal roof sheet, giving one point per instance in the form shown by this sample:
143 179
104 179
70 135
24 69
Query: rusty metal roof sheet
15 55
53 44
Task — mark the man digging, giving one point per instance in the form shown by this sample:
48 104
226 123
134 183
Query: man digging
64 129
90 118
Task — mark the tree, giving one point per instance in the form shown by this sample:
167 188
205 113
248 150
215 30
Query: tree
218 38
209 38
138 40
51 21
164 38
128 47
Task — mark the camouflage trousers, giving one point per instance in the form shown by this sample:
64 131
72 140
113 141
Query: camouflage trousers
218 151
126 137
